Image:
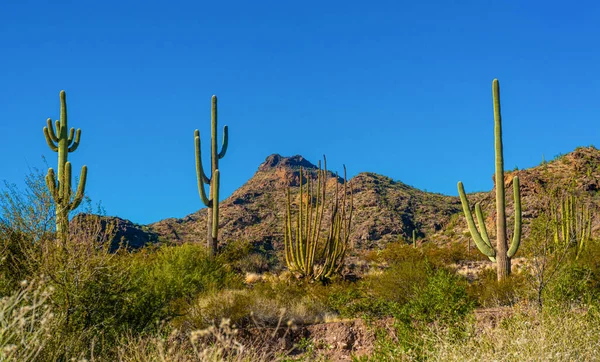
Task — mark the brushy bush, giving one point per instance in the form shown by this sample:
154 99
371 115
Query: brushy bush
576 285
168 279
528 335
220 342
489 292
440 301
244 257
438 255
25 322
267 304
443 300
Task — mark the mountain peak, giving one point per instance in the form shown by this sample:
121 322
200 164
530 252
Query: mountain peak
276 160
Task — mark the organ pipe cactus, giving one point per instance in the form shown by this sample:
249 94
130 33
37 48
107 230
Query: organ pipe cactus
572 223
502 254
212 200
304 255
63 140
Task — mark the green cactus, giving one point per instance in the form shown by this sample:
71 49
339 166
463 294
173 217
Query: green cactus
572 223
62 140
302 240
212 201
414 238
501 255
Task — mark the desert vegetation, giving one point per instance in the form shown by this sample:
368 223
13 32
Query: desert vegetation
72 291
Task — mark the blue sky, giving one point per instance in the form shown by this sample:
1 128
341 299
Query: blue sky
398 88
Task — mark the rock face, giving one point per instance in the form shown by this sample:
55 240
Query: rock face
384 210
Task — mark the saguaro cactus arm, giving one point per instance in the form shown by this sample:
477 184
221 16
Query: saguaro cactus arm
516 240
50 135
481 221
200 175
51 183
80 187
225 142
74 143
482 245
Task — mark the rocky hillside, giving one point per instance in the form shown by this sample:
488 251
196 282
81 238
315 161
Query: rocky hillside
575 173
384 210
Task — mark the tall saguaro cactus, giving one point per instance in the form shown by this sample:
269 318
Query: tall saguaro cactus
502 255
63 140
212 200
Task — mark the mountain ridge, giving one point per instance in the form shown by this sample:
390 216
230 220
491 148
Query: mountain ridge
385 210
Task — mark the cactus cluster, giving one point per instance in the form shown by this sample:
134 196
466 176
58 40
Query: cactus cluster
305 254
63 140
572 223
212 200
502 254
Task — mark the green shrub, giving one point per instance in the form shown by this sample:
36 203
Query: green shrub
244 257
489 292
167 280
443 300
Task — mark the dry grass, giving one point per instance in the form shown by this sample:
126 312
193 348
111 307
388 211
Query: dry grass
526 336
215 343
249 307
24 322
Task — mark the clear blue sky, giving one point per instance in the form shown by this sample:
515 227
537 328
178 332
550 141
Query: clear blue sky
400 88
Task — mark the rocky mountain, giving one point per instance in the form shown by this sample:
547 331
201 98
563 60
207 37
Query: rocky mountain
384 210
576 173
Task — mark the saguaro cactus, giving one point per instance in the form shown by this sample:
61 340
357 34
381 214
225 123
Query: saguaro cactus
212 201
502 255
303 239
62 140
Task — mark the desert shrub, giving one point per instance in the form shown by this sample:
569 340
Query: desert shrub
489 292
267 304
356 301
395 252
443 299
527 335
451 253
91 292
219 342
29 211
574 286
244 257
235 250
439 255
440 300
25 322
16 264
168 279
